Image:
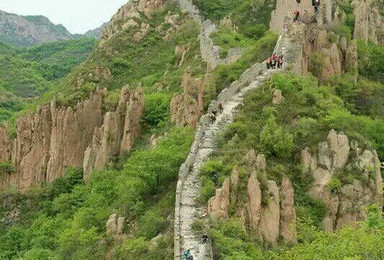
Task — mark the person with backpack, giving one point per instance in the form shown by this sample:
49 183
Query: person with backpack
187 254
212 116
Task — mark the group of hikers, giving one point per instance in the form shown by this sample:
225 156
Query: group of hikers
296 14
274 61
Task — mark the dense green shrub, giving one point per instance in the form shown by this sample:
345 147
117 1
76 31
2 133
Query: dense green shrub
275 140
371 61
157 109
6 168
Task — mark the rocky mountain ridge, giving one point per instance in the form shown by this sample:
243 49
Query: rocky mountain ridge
24 31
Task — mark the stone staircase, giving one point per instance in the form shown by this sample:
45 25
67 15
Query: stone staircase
189 185
187 210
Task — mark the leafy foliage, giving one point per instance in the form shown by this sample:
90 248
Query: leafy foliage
27 73
68 217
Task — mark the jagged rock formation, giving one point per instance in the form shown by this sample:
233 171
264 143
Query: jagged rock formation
218 206
345 202
369 23
118 132
323 52
277 218
186 108
54 138
30 30
334 54
71 133
288 229
129 16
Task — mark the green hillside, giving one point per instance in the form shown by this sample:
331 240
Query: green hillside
27 73
67 219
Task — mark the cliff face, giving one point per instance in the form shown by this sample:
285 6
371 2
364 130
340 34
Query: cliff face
30 30
346 200
369 24
117 133
327 54
54 138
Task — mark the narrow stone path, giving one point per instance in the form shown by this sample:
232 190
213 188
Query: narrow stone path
188 210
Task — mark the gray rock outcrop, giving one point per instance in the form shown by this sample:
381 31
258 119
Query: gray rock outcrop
369 23
345 202
334 55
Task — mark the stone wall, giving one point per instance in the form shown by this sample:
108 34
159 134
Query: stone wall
54 138
209 52
250 79
346 204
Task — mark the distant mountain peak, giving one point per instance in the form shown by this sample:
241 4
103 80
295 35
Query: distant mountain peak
24 31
